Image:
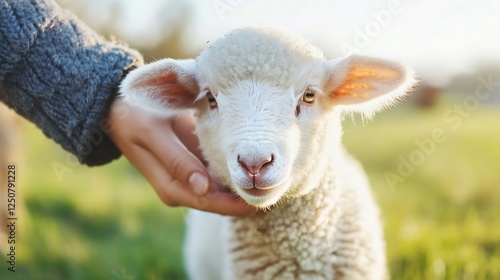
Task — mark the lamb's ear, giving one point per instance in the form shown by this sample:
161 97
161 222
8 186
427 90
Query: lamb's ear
162 87
366 84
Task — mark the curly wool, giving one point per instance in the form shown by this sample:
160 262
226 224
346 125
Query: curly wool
265 50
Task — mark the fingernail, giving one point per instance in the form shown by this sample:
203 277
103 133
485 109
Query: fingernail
199 183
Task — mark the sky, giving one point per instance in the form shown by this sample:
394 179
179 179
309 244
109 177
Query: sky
439 38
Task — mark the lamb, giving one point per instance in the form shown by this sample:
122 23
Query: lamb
269 110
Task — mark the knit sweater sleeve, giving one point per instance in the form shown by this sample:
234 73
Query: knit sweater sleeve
60 75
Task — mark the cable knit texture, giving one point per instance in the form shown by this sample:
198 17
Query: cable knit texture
61 75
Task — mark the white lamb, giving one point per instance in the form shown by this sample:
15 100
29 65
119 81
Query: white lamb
269 110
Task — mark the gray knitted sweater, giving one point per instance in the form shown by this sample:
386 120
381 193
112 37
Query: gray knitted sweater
60 75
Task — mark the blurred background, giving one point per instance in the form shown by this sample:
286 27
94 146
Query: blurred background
433 161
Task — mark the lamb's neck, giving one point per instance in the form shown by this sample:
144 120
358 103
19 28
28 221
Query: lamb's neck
287 237
286 225
311 208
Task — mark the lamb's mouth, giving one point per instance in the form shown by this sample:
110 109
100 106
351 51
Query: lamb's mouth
262 196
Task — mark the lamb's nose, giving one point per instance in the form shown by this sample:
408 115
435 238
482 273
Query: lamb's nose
254 165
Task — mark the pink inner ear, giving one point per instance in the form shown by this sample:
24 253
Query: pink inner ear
362 81
167 89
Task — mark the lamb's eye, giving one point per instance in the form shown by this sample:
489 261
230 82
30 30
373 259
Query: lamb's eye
211 100
308 96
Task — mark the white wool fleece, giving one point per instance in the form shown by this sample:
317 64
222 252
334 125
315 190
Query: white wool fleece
269 109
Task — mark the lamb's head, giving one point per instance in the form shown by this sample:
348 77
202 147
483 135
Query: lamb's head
266 105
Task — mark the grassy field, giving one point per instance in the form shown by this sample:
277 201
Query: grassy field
441 209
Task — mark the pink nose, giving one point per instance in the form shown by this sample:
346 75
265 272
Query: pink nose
254 166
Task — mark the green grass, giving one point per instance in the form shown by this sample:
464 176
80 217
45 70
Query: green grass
442 221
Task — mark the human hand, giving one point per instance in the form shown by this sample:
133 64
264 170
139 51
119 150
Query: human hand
166 153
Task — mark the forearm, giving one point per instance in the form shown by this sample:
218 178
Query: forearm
61 75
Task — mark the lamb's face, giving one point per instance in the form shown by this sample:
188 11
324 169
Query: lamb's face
265 103
251 135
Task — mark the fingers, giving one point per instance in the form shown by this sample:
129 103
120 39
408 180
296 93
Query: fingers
151 168
175 157
184 127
